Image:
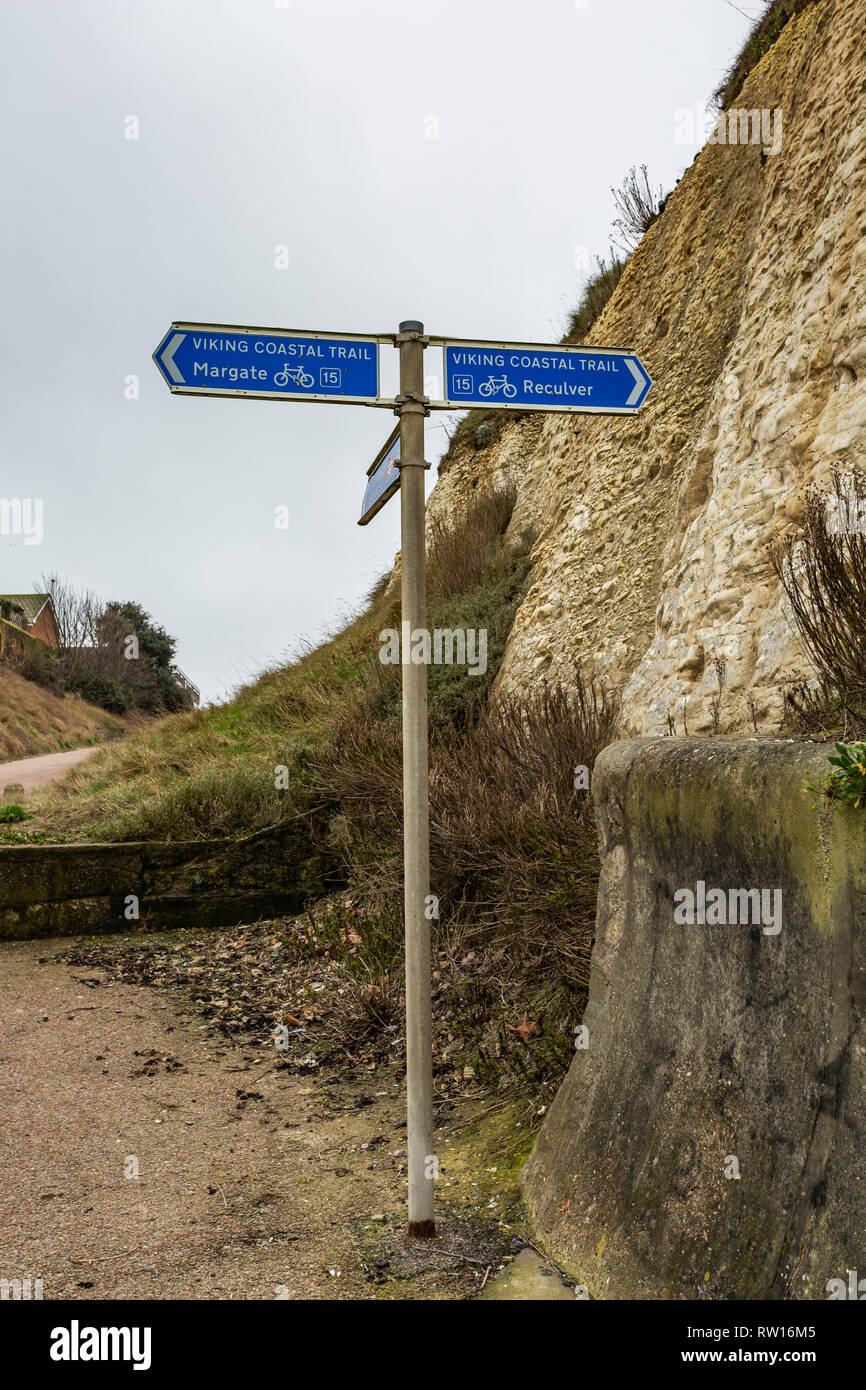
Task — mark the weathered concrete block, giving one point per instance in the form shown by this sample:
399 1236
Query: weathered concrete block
715 1049
70 918
54 873
56 890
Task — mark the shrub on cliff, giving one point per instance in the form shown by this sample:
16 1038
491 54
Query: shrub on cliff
821 565
638 206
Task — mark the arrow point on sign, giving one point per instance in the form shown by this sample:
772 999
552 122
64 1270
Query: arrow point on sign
167 357
640 380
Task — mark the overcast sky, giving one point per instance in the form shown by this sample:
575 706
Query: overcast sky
436 159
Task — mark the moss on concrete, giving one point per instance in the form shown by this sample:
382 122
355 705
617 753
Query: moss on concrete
58 890
715 1042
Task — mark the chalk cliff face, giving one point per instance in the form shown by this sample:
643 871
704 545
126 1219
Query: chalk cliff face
747 303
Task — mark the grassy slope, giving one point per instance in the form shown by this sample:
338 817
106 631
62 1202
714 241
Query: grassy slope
212 773
34 720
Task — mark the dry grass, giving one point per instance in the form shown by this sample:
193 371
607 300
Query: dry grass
598 290
509 820
34 720
763 35
464 551
513 863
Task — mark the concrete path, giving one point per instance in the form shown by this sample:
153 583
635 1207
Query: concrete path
38 772
133 1166
143 1155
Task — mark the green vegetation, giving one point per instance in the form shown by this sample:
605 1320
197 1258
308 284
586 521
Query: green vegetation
10 611
846 784
483 428
763 35
111 654
209 773
148 681
12 812
597 291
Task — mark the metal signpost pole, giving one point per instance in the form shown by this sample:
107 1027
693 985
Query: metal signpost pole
211 359
416 848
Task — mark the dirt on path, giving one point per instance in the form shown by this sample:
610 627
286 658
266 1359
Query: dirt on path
38 772
142 1155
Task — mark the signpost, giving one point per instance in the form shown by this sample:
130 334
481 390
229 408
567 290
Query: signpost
207 359
384 478
278 364
526 376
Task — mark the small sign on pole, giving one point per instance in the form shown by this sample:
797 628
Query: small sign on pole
383 478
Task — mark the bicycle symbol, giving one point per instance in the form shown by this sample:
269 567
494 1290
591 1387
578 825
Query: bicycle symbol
495 385
295 374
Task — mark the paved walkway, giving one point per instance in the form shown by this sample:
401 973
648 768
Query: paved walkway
143 1155
38 772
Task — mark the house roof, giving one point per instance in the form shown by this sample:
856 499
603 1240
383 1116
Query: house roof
31 604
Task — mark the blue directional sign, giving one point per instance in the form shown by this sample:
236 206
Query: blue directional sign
531 376
203 359
383 478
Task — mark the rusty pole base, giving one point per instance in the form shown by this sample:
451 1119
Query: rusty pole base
422 1230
